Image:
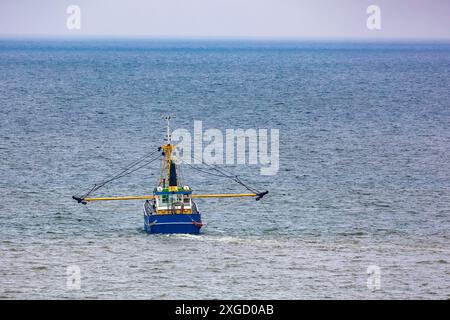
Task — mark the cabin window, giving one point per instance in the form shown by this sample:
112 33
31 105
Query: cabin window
165 198
186 200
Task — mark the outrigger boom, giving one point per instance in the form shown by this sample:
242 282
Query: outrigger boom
150 197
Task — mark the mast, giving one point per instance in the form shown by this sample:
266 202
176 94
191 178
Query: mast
169 164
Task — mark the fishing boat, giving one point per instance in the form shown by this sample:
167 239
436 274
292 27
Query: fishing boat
171 207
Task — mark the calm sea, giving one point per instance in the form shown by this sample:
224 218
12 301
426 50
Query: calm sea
364 178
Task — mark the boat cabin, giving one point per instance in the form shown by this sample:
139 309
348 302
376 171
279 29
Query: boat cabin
171 202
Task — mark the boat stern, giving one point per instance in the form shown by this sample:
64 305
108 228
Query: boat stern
173 223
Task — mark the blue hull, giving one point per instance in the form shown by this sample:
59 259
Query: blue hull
173 223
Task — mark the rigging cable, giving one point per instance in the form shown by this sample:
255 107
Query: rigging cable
132 167
226 174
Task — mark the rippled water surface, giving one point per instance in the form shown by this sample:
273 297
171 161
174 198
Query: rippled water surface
364 169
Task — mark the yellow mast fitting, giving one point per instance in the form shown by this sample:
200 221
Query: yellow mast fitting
168 149
219 195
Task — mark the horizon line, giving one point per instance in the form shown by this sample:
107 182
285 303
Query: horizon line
216 38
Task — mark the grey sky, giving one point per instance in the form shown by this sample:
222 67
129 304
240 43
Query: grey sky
228 18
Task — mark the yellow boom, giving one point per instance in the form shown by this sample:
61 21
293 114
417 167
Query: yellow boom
119 198
224 195
219 195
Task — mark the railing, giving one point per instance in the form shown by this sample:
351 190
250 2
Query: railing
149 208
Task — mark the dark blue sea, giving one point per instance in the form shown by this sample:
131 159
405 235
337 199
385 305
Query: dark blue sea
364 177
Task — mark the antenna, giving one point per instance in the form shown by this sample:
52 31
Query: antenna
168 118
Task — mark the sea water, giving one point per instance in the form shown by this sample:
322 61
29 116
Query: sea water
363 182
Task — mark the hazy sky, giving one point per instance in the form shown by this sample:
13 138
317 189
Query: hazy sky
228 18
